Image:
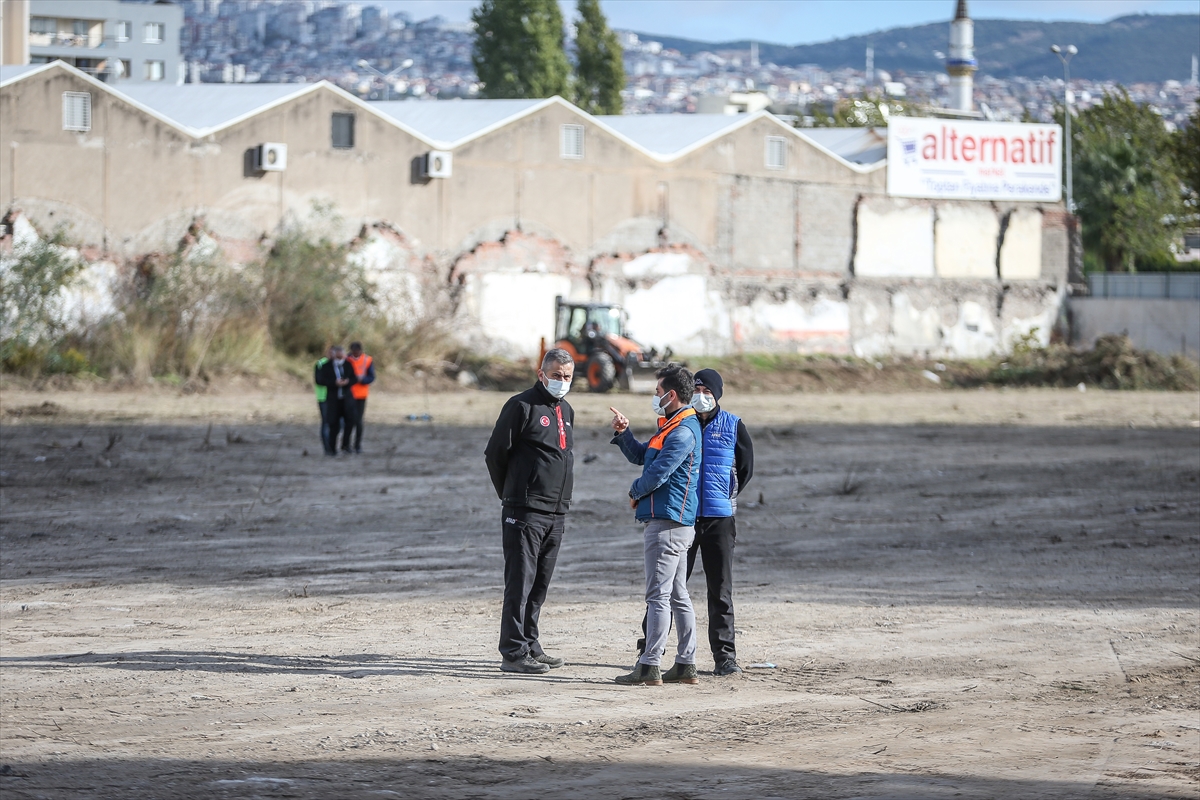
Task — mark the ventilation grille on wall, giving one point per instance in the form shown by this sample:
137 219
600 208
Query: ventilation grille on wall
571 141
77 111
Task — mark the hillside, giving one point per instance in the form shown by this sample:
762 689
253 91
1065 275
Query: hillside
1126 49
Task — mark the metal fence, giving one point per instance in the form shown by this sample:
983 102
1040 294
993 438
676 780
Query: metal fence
1147 285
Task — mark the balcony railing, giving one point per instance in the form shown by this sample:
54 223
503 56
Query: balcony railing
69 40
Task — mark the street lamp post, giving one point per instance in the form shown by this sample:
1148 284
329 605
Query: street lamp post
1068 97
387 79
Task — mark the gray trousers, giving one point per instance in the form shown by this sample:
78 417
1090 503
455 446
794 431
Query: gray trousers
667 546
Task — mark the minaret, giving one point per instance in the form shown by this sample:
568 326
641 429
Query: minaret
961 64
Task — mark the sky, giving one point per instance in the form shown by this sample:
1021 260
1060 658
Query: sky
808 21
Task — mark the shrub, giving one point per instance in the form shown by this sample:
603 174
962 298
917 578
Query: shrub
33 282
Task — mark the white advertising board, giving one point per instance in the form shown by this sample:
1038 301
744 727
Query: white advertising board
968 160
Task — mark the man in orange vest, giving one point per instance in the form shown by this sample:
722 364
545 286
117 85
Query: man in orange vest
364 369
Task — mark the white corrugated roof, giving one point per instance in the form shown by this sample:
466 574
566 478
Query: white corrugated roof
450 121
856 145
204 106
199 109
665 134
9 72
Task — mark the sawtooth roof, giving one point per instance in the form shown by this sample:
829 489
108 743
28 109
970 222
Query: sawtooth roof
862 146
450 121
203 107
667 134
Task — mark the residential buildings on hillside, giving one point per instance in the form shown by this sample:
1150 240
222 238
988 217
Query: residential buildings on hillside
310 40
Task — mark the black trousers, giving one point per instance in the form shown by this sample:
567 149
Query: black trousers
715 538
531 543
360 409
340 415
321 407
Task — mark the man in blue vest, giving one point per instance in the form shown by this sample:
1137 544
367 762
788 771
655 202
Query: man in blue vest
727 468
666 498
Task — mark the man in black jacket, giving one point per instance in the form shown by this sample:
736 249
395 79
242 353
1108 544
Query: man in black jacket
530 459
337 375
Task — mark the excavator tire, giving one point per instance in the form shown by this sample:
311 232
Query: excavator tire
601 373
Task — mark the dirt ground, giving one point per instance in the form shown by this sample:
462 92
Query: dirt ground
964 594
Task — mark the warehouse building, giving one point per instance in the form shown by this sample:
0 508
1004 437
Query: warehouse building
718 233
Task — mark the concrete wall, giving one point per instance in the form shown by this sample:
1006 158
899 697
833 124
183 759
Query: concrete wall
711 253
1164 326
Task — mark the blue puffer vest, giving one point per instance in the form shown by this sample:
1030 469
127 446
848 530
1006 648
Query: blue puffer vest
718 481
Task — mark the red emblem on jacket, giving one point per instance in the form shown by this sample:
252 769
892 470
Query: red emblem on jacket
545 421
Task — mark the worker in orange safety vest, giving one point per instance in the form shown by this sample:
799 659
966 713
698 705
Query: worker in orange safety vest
364 368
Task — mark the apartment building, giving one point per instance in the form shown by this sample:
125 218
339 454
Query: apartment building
113 41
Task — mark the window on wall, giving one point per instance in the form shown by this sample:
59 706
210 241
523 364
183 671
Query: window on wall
80 27
343 130
776 152
43 25
124 30
154 33
123 68
570 141
154 70
77 111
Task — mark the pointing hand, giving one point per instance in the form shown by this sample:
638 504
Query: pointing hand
619 421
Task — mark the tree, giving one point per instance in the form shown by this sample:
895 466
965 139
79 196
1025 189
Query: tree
867 111
519 49
600 71
1127 191
1187 156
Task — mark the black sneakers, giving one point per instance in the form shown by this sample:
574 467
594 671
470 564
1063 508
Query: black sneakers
553 662
524 666
642 675
681 673
727 667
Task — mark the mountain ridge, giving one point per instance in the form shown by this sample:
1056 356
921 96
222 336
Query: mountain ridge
1128 49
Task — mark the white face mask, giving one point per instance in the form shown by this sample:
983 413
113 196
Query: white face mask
658 406
704 403
558 388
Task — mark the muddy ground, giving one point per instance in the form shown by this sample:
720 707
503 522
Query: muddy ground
964 594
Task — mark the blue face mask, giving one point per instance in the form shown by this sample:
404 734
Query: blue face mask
558 388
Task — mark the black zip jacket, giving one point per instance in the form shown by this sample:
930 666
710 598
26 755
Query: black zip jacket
326 375
529 457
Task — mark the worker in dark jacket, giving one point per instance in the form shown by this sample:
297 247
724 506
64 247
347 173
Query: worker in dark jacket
529 457
337 376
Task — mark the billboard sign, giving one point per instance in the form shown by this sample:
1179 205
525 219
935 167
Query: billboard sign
949 159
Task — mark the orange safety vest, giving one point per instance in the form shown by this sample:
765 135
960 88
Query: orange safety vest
359 391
